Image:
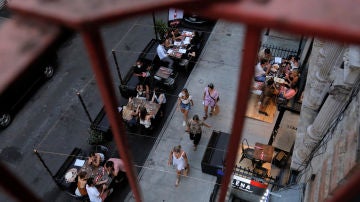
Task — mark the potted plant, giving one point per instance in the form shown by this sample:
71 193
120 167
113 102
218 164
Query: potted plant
161 28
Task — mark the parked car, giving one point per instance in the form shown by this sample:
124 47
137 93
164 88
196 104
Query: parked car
13 98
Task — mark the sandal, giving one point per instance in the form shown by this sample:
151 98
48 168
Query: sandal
205 117
177 182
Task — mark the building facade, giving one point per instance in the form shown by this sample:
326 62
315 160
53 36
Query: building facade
326 151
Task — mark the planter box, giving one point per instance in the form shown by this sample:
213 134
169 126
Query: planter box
215 153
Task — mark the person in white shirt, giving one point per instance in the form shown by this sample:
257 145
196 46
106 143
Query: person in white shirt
260 73
159 98
93 193
184 103
163 55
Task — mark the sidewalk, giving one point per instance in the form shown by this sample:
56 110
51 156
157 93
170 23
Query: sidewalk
219 64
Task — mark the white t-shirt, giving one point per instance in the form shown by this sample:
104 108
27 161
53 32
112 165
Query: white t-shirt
93 194
184 101
259 71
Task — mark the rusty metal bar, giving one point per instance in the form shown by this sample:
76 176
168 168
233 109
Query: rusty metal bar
96 51
327 18
349 191
79 13
252 39
14 187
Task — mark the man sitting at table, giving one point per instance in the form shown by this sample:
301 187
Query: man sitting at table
161 52
142 72
260 73
113 167
269 91
265 54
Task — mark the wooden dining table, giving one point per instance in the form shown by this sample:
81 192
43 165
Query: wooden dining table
164 72
151 107
179 47
263 152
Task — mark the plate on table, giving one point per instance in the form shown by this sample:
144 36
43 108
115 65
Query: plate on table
70 175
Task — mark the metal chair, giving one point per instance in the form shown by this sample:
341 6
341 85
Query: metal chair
247 152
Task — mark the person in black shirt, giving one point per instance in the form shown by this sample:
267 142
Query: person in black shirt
142 72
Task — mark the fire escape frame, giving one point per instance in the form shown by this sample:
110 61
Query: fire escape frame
304 17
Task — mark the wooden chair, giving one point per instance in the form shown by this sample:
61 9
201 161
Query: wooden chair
247 152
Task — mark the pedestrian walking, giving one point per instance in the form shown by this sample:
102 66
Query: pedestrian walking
194 129
178 158
210 98
184 103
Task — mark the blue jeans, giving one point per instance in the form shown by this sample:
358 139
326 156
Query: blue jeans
261 78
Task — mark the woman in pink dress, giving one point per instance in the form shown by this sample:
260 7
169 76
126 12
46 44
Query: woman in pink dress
210 97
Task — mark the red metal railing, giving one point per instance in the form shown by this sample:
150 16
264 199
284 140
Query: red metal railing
332 19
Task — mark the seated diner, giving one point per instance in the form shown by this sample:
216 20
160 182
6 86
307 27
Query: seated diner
269 91
145 119
81 184
142 91
260 73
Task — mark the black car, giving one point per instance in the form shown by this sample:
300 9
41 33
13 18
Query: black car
20 90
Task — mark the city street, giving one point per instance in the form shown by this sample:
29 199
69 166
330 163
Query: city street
53 120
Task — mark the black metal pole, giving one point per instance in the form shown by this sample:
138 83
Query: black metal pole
155 28
300 44
277 125
117 67
84 107
46 167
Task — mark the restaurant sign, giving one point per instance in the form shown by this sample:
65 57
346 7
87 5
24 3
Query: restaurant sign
248 185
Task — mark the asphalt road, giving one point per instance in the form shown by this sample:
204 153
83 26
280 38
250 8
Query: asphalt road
53 121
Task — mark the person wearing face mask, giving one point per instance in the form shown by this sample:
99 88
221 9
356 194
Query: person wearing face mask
142 72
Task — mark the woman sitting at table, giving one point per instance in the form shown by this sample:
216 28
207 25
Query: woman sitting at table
81 184
176 36
142 92
168 42
134 117
96 159
287 92
159 98
145 119
292 78
94 194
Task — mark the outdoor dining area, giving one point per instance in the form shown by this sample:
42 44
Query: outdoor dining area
84 170
276 82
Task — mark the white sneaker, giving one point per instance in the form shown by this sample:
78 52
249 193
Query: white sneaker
184 123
